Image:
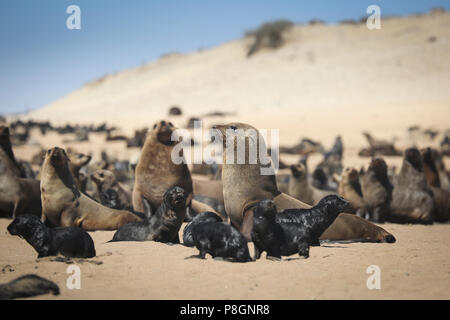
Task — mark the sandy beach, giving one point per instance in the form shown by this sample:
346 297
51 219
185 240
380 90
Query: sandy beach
327 80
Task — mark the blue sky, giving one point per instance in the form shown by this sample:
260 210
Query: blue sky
41 60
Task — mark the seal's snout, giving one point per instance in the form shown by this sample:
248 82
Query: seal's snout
389 239
12 230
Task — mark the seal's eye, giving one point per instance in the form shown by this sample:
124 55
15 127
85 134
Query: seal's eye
170 124
233 128
100 175
154 127
48 151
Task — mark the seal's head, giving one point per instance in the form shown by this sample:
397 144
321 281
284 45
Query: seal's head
110 198
78 159
103 177
379 166
57 157
175 198
265 209
24 225
350 175
412 155
334 204
163 130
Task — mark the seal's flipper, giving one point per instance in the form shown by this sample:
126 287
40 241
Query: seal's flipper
147 209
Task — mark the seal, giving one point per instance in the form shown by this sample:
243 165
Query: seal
220 240
429 168
377 191
29 285
350 189
156 172
163 225
110 198
63 204
307 225
17 195
104 180
203 217
71 242
77 161
412 198
267 235
244 186
300 189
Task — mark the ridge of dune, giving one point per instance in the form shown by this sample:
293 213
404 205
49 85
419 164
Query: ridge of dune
406 62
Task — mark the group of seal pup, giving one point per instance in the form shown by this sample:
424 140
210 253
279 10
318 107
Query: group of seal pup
53 214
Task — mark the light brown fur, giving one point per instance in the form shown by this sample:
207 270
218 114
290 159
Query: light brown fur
348 189
156 172
63 205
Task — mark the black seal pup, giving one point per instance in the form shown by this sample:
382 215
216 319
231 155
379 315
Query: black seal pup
163 225
203 217
110 198
26 286
71 242
309 224
267 235
220 240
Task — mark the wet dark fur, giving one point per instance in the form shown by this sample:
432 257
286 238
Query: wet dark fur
110 198
163 225
70 241
203 217
305 226
220 240
267 235
28 285
377 191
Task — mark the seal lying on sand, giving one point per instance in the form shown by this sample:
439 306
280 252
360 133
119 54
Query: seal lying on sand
244 185
156 172
29 285
17 195
412 198
203 217
71 242
377 190
220 240
63 204
163 225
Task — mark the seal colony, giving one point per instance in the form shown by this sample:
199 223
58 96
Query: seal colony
235 205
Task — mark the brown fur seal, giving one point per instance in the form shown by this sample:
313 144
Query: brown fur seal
63 204
77 161
429 168
350 189
441 197
105 179
156 172
244 186
412 198
17 195
377 190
